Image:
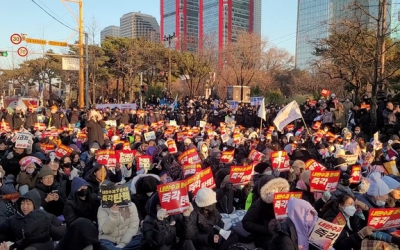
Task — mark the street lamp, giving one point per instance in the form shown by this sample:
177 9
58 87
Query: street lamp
168 39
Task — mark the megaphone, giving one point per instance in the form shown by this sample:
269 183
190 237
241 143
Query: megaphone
225 234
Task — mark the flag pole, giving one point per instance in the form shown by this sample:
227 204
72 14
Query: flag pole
308 131
261 123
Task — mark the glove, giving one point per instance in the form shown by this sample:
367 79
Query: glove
364 232
188 211
162 214
381 236
327 195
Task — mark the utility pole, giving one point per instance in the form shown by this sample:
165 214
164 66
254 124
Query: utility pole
141 96
81 63
87 70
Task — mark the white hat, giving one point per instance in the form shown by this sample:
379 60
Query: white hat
390 182
377 187
205 197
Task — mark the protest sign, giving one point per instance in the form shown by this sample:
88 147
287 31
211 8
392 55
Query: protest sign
24 162
63 150
115 194
111 123
10 197
202 124
143 162
121 106
254 155
227 156
339 219
49 134
39 126
180 136
5 126
312 165
280 160
125 156
321 181
106 157
191 169
190 156
47 148
355 174
384 218
233 105
171 144
280 202
202 179
174 197
150 136
350 159
241 175
325 234
172 123
23 140
256 101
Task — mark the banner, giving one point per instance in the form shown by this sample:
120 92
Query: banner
190 156
286 115
106 157
205 178
384 218
321 181
280 202
125 156
256 101
227 156
254 155
115 194
150 136
355 174
63 150
191 169
241 175
47 148
113 106
314 166
174 197
325 234
280 160
144 162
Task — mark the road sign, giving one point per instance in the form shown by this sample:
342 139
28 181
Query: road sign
55 43
70 63
36 41
22 51
16 39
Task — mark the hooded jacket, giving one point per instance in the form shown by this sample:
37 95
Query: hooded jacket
142 187
261 212
77 208
36 229
53 207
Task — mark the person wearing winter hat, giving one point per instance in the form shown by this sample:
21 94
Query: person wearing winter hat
207 223
142 188
343 186
261 212
394 195
341 164
303 185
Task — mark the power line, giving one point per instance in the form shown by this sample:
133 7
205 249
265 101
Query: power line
53 16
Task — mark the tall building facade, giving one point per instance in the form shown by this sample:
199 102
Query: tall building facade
112 31
195 21
136 24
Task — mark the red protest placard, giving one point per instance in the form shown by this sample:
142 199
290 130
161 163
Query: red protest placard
190 156
325 92
49 133
39 126
173 197
5 126
254 155
63 150
241 175
280 202
384 218
355 174
339 219
280 160
180 136
125 156
47 148
205 178
314 166
172 149
321 181
144 162
191 169
106 157
227 156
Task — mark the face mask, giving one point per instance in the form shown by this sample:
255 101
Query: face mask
321 152
268 172
357 131
343 168
30 170
326 130
92 151
350 210
380 203
82 193
204 149
149 193
74 140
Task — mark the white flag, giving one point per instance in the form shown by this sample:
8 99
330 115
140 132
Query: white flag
172 106
288 114
261 111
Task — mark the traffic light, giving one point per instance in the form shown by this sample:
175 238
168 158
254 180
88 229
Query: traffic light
143 90
3 53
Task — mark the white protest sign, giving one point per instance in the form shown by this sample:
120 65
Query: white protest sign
225 138
350 159
325 234
111 123
23 140
202 124
150 136
172 123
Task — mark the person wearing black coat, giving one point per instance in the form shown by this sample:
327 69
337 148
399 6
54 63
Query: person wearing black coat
10 161
95 126
63 121
191 118
123 118
261 212
31 227
30 119
74 116
18 119
82 203
142 188
8 118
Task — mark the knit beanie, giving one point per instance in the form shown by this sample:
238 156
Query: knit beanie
205 197
377 187
390 182
45 171
260 167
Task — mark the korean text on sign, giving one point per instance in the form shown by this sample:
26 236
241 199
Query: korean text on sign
280 160
191 169
325 234
321 181
280 203
144 162
106 157
241 175
63 150
115 194
173 197
189 157
202 179
384 218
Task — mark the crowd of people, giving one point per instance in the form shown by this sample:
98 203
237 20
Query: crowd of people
53 201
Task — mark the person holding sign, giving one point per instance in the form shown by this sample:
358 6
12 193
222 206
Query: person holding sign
342 212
